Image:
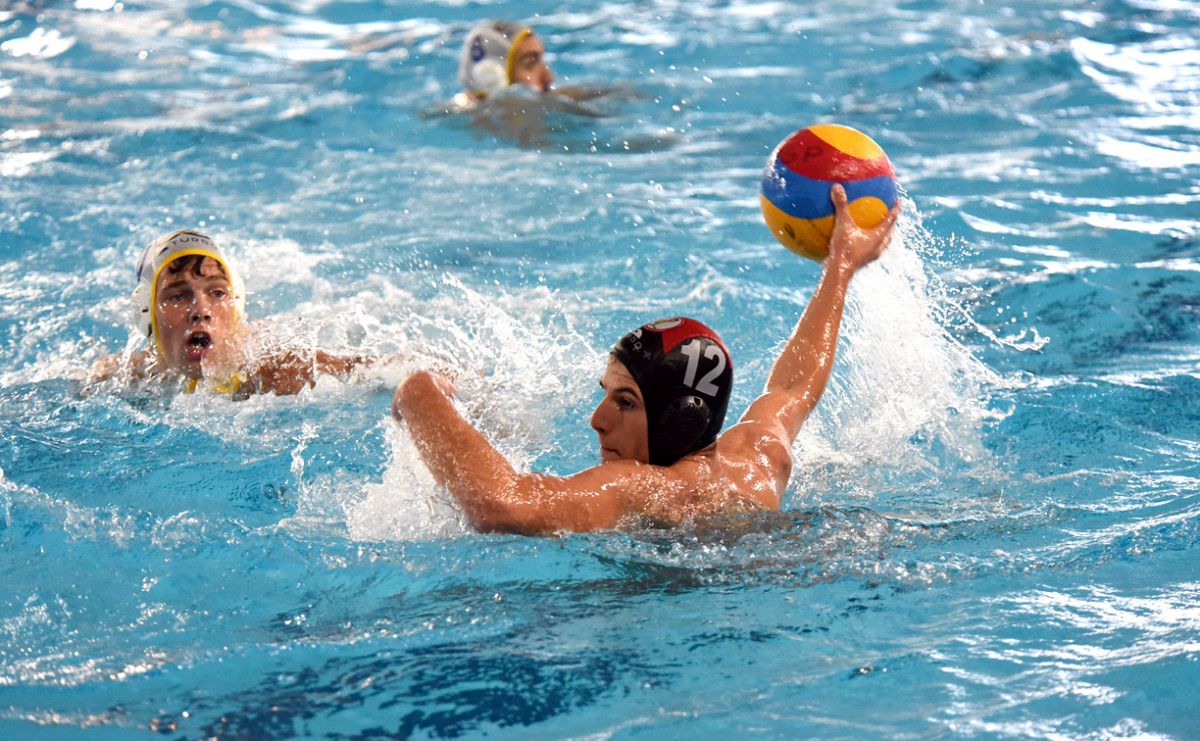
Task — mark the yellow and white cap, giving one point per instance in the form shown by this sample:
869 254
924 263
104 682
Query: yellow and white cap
486 64
162 252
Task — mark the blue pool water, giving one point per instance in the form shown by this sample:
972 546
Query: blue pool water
993 529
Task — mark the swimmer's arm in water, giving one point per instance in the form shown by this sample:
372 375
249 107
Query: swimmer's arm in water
107 367
585 93
104 369
801 373
497 498
582 94
289 372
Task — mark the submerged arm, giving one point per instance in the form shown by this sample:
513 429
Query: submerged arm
289 372
110 365
491 492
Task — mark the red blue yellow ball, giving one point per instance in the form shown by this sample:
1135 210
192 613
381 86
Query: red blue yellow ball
795 185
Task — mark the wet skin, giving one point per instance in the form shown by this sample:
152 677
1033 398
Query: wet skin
747 467
195 316
530 67
620 417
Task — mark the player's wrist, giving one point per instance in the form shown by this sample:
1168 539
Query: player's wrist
840 267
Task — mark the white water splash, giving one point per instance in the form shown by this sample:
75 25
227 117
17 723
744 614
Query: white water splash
905 397
512 374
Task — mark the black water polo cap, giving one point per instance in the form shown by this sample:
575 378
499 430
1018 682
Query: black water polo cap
685 374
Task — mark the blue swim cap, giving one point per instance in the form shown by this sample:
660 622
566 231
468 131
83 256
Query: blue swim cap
685 375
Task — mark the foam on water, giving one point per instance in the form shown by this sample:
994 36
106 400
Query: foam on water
993 521
514 374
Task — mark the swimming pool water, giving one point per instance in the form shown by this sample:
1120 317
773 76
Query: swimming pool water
994 520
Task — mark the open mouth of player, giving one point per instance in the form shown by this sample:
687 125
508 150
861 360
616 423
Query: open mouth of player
198 344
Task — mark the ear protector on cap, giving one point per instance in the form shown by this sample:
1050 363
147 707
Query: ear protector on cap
485 65
685 374
680 426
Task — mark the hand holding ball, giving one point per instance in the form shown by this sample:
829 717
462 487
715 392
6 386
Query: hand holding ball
795 186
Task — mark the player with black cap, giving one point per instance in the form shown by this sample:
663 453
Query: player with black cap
685 376
666 389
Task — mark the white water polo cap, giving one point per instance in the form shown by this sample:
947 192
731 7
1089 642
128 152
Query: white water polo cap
162 252
489 55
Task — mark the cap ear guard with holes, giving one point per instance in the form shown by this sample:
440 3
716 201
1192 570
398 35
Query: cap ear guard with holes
485 65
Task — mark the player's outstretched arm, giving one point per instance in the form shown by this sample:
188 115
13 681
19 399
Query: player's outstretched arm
802 370
492 494
290 372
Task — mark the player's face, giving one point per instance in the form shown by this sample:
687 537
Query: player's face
195 313
620 417
530 67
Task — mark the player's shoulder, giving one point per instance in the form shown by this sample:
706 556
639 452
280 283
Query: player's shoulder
759 449
751 438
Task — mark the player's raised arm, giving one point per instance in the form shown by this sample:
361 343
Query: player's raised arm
802 370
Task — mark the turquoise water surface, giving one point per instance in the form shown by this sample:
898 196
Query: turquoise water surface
993 528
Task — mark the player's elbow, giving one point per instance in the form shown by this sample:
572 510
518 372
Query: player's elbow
507 517
493 520
413 392
521 507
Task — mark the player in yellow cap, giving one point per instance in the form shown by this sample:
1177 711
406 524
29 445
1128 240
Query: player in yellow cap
190 304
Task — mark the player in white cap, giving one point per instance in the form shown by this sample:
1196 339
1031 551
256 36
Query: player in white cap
498 54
